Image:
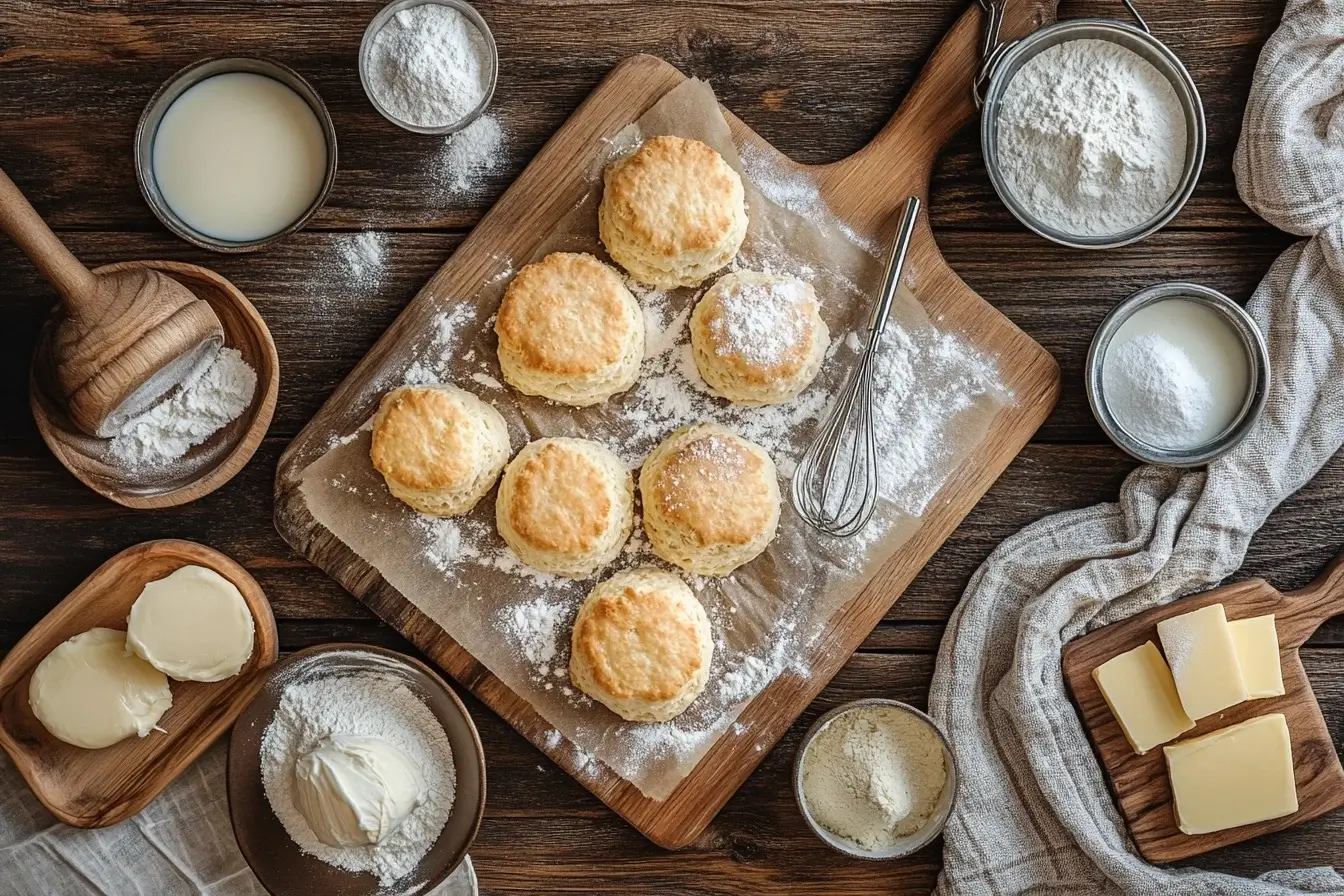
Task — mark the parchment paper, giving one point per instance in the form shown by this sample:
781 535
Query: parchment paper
766 615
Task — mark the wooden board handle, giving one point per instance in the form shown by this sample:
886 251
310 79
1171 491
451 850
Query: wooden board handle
30 233
938 104
1307 608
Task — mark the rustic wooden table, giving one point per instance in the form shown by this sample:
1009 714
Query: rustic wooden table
815 78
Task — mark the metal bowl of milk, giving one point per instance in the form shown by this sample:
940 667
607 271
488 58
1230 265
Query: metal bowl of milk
1092 131
1177 374
234 153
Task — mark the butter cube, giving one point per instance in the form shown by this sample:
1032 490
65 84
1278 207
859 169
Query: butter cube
1203 661
1257 643
1235 776
1139 690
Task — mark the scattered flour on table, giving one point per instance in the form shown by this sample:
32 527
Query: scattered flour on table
433 365
795 191
1092 138
367 704
198 410
429 66
468 156
361 255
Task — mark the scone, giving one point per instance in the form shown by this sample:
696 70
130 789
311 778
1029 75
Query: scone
566 506
711 499
440 449
642 645
570 331
672 213
758 338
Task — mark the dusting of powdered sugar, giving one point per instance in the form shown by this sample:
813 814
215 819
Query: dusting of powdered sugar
762 323
373 704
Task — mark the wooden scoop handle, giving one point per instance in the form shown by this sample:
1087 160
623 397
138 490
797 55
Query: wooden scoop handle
899 161
30 233
1306 609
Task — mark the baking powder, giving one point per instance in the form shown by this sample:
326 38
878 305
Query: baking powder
369 704
429 66
1156 392
1092 138
197 411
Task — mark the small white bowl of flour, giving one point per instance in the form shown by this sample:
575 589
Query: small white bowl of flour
1093 133
429 66
875 779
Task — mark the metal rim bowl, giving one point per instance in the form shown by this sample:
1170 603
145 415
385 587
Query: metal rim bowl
366 50
275 859
1257 358
1131 38
908 845
178 84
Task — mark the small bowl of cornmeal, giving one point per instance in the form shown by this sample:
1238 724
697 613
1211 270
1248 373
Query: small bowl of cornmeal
875 779
234 153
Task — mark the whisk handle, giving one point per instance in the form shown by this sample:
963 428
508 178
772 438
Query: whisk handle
891 281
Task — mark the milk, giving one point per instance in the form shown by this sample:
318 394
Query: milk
239 156
1216 353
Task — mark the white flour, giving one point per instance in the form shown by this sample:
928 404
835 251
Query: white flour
1092 138
429 66
468 155
1157 393
369 704
361 258
197 411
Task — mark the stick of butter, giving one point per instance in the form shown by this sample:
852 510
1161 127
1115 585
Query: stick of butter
1234 776
1257 643
1139 690
1203 661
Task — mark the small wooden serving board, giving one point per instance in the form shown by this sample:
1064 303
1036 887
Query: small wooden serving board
98 788
1140 783
867 191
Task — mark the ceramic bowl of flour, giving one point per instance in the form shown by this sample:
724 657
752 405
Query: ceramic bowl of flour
1079 215
897 754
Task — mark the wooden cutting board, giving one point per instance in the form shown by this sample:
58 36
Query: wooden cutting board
867 190
1140 782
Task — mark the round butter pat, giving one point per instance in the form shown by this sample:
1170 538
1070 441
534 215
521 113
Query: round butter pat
192 625
356 790
91 692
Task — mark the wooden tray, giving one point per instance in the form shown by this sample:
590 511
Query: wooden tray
1140 782
867 190
97 788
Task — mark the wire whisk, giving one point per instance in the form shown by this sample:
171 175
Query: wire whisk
841 505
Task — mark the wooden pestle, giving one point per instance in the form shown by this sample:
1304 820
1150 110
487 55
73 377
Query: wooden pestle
126 338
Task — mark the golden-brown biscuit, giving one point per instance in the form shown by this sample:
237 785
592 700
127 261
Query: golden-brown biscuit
711 499
566 506
438 447
570 331
642 645
758 338
672 213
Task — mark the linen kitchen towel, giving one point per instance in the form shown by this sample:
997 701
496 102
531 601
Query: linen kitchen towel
179 845
1034 813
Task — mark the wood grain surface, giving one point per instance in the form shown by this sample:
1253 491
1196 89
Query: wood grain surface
817 79
1141 783
868 190
97 788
